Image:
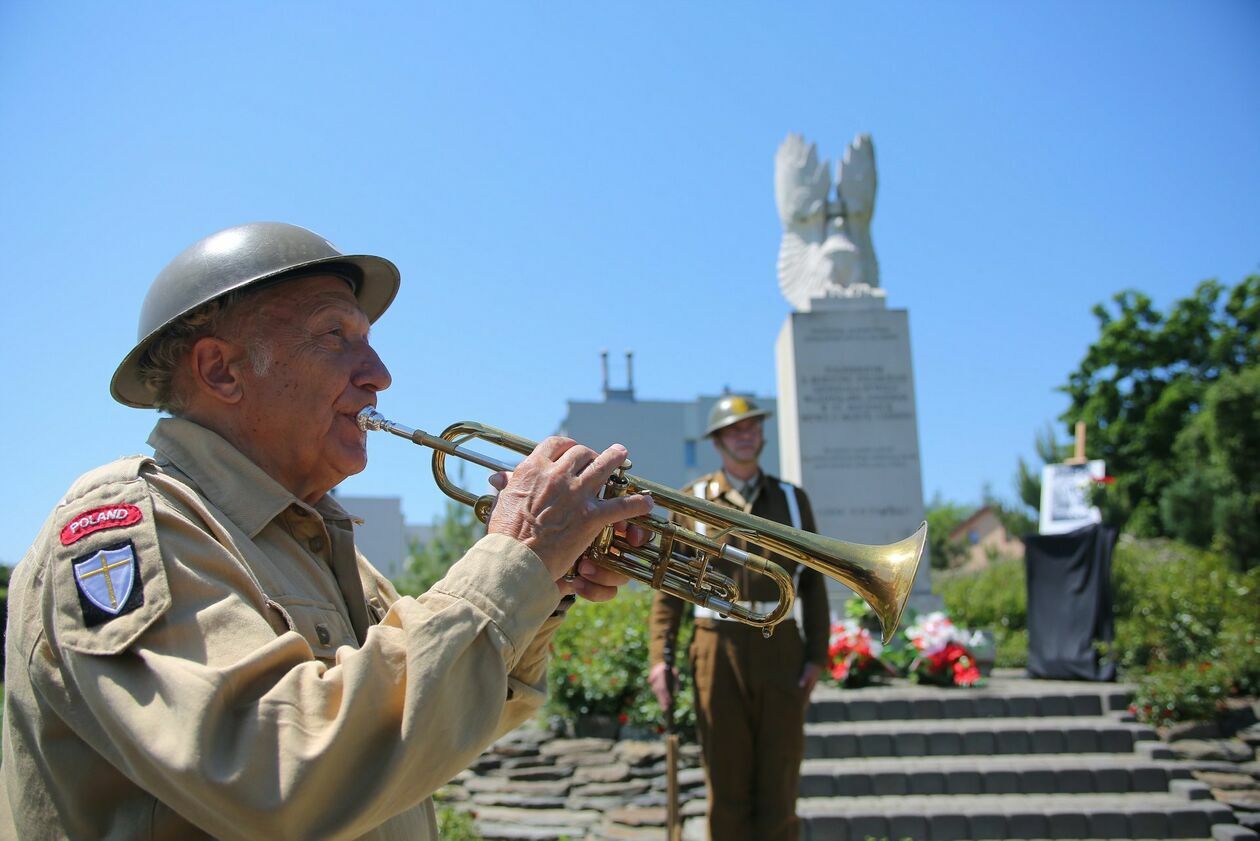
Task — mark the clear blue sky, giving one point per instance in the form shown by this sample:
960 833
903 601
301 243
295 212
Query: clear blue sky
556 178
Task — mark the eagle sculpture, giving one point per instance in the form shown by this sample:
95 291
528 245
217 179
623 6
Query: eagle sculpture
826 249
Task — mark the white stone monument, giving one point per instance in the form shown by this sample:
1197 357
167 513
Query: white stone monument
848 431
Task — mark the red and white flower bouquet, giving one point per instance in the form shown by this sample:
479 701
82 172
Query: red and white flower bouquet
942 655
854 655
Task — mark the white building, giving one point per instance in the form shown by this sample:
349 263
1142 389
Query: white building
665 437
383 536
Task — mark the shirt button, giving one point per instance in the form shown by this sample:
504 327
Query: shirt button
321 631
316 544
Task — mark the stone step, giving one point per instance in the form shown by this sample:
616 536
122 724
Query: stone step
1020 774
1137 815
1015 697
974 737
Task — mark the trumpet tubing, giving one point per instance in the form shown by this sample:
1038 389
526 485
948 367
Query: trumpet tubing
678 560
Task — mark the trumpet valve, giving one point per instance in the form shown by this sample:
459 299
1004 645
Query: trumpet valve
603 542
617 484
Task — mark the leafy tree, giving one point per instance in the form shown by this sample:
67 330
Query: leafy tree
454 533
1028 477
1140 388
1233 413
1216 500
942 518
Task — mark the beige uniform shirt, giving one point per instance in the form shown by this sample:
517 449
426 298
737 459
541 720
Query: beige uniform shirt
192 651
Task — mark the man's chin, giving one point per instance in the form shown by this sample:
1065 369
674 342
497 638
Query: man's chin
358 466
352 460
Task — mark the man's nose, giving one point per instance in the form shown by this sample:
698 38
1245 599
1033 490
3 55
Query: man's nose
372 374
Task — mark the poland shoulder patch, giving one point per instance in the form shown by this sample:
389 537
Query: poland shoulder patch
109 583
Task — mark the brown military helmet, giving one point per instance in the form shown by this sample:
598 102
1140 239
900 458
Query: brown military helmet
732 408
233 259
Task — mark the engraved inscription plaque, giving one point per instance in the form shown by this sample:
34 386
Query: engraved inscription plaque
848 432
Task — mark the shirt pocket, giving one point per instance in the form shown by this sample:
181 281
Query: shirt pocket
320 623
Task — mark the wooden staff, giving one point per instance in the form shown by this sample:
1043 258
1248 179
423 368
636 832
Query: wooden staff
673 816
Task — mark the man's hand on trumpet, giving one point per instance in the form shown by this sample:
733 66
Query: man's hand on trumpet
551 503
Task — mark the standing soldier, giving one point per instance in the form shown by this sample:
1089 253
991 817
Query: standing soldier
751 692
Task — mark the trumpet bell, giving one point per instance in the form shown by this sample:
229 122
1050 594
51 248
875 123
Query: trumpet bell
882 575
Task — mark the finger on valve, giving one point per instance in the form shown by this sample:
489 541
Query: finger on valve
599 574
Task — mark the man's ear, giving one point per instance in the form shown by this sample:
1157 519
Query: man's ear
215 368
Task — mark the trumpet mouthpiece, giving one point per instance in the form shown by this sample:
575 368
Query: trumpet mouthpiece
369 419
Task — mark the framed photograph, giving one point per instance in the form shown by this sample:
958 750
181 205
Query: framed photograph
1065 496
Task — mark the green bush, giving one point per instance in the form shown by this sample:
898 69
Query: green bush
1186 628
1011 649
454 825
996 600
1175 604
599 664
1187 624
1186 692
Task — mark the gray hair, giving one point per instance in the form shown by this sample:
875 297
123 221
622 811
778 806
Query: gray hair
164 355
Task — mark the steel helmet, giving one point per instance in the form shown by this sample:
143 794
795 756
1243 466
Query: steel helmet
233 259
731 408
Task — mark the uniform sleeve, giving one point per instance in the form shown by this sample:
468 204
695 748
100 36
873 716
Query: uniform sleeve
228 718
812 593
663 624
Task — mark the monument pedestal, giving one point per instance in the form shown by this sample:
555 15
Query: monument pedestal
848 433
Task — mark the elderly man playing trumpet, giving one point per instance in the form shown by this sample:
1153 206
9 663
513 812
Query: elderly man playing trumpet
196 649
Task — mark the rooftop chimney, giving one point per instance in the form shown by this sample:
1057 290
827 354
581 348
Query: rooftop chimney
618 394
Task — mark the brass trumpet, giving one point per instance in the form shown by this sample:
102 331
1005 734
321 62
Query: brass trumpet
677 560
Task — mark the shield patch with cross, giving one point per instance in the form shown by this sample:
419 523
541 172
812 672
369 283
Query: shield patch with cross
106 579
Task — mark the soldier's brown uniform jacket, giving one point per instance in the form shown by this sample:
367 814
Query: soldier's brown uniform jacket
770 503
193 652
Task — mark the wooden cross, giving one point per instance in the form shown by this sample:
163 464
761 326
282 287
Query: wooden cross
1079 456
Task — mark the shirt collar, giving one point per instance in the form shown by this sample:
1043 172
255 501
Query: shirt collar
727 482
227 478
